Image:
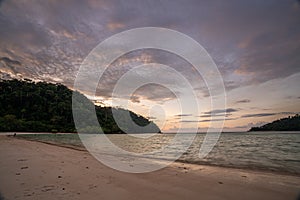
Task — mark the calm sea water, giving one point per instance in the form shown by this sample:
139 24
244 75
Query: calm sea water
276 151
272 151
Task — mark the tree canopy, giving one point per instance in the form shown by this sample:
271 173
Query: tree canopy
45 107
284 124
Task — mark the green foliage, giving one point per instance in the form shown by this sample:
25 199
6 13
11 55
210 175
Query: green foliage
44 107
284 124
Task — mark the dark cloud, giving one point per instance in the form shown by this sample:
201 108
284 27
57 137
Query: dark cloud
227 119
183 115
272 51
268 114
288 113
9 61
207 120
20 34
9 65
190 121
292 97
228 110
230 85
258 115
243 101
216 115
268 42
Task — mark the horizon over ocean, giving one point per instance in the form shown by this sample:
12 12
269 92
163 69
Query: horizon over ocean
271 151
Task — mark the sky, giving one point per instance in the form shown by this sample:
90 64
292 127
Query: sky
255 45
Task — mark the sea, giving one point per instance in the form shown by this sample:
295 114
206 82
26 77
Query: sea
270 151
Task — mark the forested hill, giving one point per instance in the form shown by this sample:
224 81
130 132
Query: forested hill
44 107
285 124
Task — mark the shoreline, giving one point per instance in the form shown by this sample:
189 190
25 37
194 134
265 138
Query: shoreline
35 170
254 169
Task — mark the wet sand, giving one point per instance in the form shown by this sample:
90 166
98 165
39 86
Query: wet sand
34 170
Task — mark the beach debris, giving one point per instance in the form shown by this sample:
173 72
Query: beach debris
220 182
24 167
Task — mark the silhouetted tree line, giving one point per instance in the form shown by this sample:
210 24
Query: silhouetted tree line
45 107
284 124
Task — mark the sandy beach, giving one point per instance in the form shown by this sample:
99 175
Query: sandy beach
34 170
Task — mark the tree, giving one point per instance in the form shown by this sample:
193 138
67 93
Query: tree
45 107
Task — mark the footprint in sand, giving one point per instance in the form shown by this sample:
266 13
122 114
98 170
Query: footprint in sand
22 160
47 188
28 193
91 186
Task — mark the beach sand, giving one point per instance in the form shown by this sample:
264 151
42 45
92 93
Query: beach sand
34 170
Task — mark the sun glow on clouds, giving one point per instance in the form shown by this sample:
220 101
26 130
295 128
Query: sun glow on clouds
114 26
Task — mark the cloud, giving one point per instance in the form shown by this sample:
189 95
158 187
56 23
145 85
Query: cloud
135 99
251 42
226 119
154 92
189 121
218 111
114 26
267 114
258 115
264 46
243 101
9 66
207 120
183 115
270 48
52 40
288 113
1 1
215 115
9 61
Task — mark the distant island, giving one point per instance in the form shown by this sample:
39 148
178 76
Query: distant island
284 124
29 106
